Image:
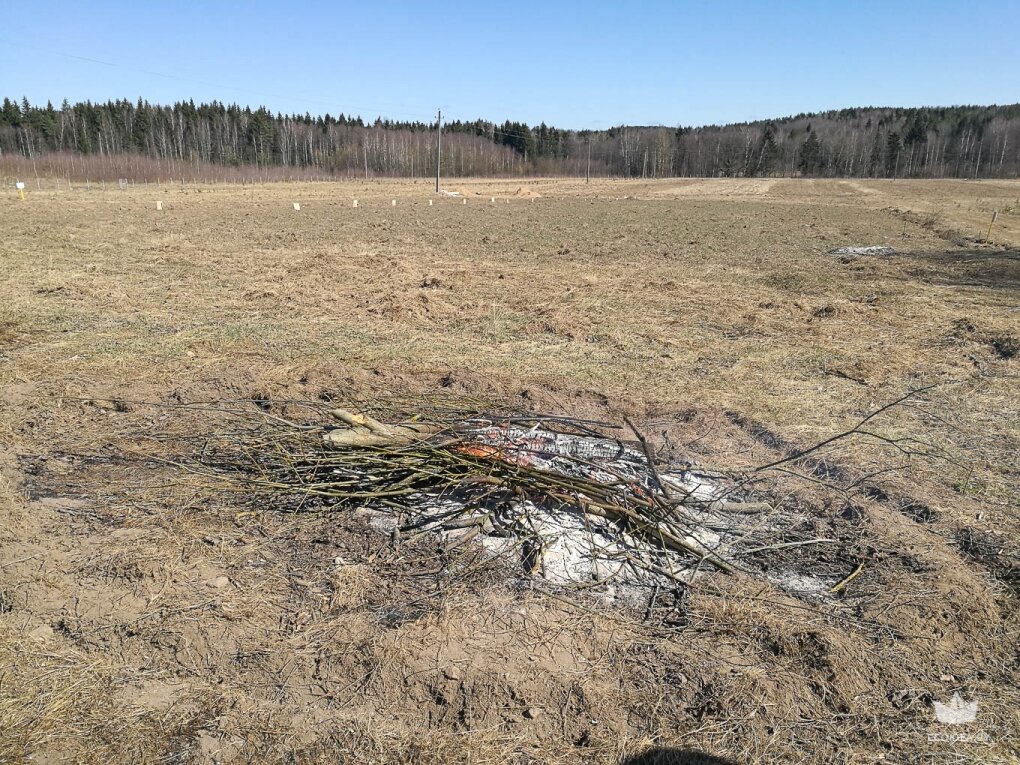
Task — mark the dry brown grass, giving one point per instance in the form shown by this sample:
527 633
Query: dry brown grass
142 618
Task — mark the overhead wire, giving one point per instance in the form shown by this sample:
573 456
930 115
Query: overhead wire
426 120
194 81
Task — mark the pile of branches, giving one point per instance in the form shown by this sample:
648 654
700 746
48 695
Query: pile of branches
486 473
501 474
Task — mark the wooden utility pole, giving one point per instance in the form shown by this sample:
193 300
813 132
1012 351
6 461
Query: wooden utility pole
587 170
439 145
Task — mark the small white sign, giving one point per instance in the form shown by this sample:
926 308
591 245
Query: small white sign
19 185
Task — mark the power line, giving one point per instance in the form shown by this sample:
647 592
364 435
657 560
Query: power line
409 117
205 83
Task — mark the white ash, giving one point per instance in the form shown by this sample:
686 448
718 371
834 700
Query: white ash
565 546
802 585
600 459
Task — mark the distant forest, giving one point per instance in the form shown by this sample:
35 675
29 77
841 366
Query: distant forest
957 141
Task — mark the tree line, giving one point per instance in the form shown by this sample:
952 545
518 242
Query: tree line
957 141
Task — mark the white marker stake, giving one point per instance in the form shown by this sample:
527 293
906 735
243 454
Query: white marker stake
297 206
159 205
465 201
492 199
21 189
393 202
355 203
430 203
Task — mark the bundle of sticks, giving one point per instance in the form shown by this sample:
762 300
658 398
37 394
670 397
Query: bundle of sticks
478 463
539 479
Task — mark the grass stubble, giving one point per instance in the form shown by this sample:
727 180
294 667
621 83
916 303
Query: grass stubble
144 618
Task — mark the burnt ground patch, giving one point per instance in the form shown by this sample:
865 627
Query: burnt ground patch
997 553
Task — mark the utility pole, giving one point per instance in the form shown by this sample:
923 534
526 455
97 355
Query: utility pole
587 170
439 145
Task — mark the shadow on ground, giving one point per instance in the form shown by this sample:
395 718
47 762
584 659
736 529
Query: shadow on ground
998 269
676 757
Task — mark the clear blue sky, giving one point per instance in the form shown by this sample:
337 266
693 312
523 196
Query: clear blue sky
572 64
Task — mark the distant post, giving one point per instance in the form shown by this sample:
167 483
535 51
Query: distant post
587 169
439 145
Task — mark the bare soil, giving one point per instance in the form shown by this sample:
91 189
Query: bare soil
146 617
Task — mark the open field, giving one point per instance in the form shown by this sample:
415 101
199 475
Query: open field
143 619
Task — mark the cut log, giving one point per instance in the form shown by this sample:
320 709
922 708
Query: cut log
364 431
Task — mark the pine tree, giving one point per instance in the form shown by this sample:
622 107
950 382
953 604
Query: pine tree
917 131
892 154
810 155
141 126
10 114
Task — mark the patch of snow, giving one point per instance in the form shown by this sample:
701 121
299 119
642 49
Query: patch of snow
875 249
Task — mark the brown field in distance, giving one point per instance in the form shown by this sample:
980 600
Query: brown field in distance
141 619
